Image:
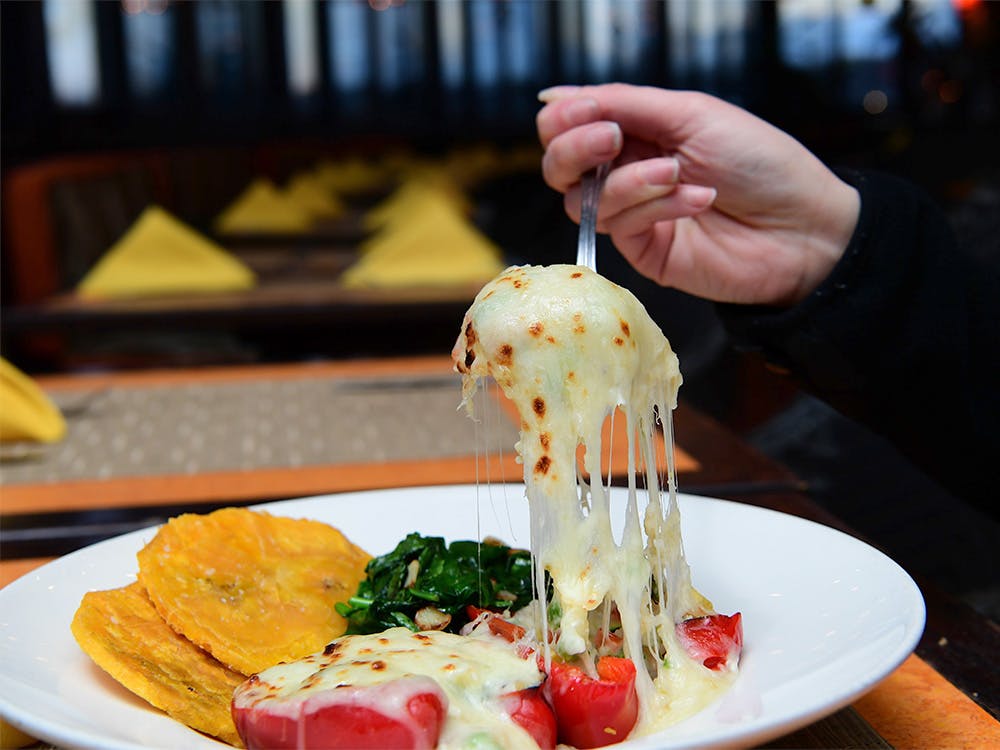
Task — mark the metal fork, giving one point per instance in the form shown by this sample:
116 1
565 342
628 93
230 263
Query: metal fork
590 192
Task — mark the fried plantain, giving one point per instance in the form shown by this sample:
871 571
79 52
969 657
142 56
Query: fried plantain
125 636
251 588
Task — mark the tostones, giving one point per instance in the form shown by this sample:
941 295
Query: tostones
126 637
250 588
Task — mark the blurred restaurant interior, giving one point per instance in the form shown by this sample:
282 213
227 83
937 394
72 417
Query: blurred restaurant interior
365 166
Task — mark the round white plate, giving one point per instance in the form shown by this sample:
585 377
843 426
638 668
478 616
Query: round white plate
825 616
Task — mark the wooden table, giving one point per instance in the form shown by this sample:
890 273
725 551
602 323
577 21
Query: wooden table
943 696
300 308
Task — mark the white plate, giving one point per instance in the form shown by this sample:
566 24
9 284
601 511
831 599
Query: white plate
825 616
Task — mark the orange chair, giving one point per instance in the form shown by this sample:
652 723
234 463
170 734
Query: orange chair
59 215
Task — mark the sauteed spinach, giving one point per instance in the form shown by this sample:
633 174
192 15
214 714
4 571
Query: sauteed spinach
425 584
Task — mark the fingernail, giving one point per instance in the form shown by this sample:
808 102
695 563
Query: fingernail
659 171
605 138
552 93
580 111
699 196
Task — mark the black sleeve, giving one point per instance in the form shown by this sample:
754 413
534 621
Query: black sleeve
903 336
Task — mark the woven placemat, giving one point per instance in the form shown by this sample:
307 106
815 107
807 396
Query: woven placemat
196 428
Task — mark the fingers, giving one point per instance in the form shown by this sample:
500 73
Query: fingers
578 150
642 193
581 127
681 202
630 185
564 114
661 116
637 183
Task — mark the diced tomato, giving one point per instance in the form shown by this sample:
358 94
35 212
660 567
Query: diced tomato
498 625
530 711
608 644
714 640
593 712
310 724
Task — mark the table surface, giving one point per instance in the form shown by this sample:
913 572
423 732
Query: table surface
292 280
91 486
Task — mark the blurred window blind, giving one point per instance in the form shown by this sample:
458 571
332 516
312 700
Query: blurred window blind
816 33
452 61
149 32
707 44
399 45
71 51
936 22
855 47
232 63
362 58
349 54
570 42
807 33
484 20
301 37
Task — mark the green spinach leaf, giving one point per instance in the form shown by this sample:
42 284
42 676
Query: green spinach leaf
425 572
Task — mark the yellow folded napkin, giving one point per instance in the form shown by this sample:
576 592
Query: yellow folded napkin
309 192
436 246
26 413
470 166
352 176
261 209
410 201
159 254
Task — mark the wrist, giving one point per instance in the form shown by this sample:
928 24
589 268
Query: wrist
836 222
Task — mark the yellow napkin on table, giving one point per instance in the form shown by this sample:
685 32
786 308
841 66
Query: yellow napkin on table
437 245
159 254
26 413
308 191
351 176
410 201
262 208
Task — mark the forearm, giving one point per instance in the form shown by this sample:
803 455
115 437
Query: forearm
902 336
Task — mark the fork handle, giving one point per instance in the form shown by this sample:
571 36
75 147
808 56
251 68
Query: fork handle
590 191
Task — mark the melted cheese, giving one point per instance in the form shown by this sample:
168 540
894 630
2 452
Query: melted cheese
469 672
568 347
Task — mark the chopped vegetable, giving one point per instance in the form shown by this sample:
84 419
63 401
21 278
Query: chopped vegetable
374 716
424 581
714 640
593 712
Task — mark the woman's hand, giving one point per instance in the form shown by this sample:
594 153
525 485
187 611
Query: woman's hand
703 196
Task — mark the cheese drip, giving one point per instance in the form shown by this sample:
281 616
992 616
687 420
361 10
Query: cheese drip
568 347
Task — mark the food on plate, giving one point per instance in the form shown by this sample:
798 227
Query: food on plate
399 689
594 636
611 636
593 711
278 581
714 640
425 584
569 347
122 632
251 588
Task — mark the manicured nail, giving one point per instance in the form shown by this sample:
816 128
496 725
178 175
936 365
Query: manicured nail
552 93
699 197
605 139
659 171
